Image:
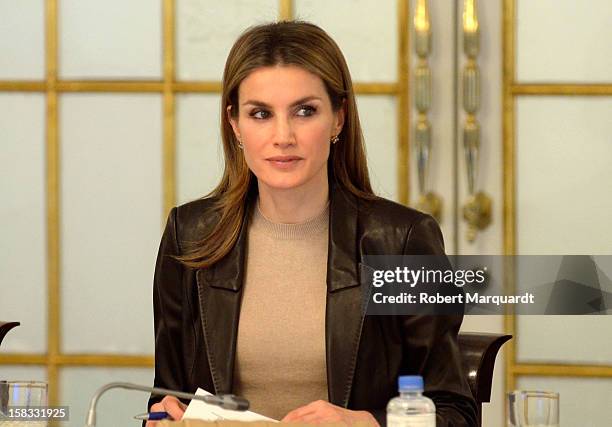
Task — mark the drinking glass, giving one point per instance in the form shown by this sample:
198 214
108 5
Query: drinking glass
23 395
533 409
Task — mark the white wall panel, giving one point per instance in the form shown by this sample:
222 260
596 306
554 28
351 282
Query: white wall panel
584 402
378 115
22 40
23 277
117 407
111 220
113 39
544 339
366 32
198 145
564 179
207 29
564 41
22 373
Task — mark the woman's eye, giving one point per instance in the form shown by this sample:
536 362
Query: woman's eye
259 114
306 111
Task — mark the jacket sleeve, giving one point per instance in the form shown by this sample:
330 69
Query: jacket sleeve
167 312
431 343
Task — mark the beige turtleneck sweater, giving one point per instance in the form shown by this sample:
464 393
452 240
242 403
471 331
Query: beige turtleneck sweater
280 355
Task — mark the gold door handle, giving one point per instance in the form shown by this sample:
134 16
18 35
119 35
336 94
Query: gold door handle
477 209
428 201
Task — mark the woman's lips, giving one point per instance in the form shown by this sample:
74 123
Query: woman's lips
284 162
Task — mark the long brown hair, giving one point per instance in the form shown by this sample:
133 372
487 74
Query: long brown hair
281 43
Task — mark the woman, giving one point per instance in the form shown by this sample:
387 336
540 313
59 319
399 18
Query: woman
256 288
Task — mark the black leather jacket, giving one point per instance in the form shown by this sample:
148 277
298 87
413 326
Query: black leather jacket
197 311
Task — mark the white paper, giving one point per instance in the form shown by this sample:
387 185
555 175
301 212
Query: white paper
205 411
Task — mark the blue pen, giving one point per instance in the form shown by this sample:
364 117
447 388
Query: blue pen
152 416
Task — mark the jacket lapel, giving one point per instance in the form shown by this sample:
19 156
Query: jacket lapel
344 312
220 294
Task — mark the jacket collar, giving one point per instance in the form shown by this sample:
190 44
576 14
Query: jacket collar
219 309
342 260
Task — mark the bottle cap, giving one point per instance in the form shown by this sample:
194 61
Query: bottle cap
410 383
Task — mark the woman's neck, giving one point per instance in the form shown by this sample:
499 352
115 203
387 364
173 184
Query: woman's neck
292 206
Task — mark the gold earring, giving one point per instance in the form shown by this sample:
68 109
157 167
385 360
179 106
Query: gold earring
335 139
240 144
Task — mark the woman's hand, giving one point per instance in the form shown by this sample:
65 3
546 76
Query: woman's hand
322 411
170 404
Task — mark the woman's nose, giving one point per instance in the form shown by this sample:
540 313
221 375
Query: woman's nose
283 134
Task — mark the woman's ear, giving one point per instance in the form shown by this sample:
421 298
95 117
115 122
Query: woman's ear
340 117
233 121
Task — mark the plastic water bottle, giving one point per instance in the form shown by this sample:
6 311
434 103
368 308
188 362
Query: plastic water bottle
411 408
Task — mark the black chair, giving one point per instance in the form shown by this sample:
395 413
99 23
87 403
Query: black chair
5 327
478 352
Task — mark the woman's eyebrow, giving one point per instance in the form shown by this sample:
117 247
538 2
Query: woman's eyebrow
298 102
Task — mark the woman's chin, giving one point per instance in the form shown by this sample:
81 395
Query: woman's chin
284 184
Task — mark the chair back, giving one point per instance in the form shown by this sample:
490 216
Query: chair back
478 351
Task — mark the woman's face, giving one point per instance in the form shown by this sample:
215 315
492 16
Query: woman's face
285 124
